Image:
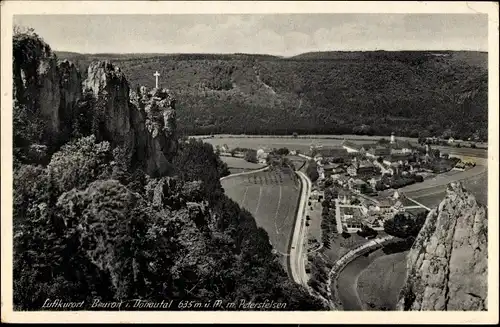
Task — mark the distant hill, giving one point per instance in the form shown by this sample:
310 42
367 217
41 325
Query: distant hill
413 93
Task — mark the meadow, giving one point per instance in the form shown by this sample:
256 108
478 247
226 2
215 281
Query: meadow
240 165
272 197
268 143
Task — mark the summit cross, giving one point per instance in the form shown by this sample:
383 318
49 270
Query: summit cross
156 75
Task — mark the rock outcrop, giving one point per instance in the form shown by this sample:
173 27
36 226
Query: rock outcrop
70 85
46 87
143 123
447 267
53 92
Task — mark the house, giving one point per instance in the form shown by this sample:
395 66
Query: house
362 168
343 181
333 169
395 159
352 170
262 157
318 158
460 166
366 168
378 151
451 140
293 152
314 195
321 171
351 147
330 153
357 185
352 219
401 147
373 181
344 197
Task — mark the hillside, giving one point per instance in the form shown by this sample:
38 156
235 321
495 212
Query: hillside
413 93
110 204
447 266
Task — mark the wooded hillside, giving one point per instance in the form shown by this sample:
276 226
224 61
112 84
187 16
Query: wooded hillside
413 93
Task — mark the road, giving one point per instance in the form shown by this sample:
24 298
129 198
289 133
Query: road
245 173
297 252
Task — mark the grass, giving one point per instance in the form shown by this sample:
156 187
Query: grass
272 198
240 163
379 284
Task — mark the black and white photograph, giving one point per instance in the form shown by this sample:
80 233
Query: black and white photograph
292 162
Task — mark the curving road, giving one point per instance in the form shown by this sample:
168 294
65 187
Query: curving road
297 252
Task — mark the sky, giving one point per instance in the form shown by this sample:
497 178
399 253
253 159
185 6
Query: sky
276 34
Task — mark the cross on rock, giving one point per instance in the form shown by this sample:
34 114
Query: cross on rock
156 75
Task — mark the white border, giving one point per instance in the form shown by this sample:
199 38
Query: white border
10 8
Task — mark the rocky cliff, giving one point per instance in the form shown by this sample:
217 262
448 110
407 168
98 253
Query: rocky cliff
447 267
51 97
43 85
143 123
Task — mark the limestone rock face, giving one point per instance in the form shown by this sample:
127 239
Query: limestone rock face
48 88
158 122
36 80
70 85
113 110
144 123
447 267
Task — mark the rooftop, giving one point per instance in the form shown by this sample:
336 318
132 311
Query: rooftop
351 145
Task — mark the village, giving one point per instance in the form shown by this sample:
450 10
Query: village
356 186
360 183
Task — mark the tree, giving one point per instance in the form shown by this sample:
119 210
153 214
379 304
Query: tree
312 171
403 225
251 156
419 178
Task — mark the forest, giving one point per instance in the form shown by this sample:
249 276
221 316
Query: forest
411 93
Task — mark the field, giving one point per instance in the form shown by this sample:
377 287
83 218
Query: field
239 165
432 191
272 198
303 143
379 283
300 144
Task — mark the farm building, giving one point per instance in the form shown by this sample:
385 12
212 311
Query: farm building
363 168
351 147
331 153
352 219
378 151
397 159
